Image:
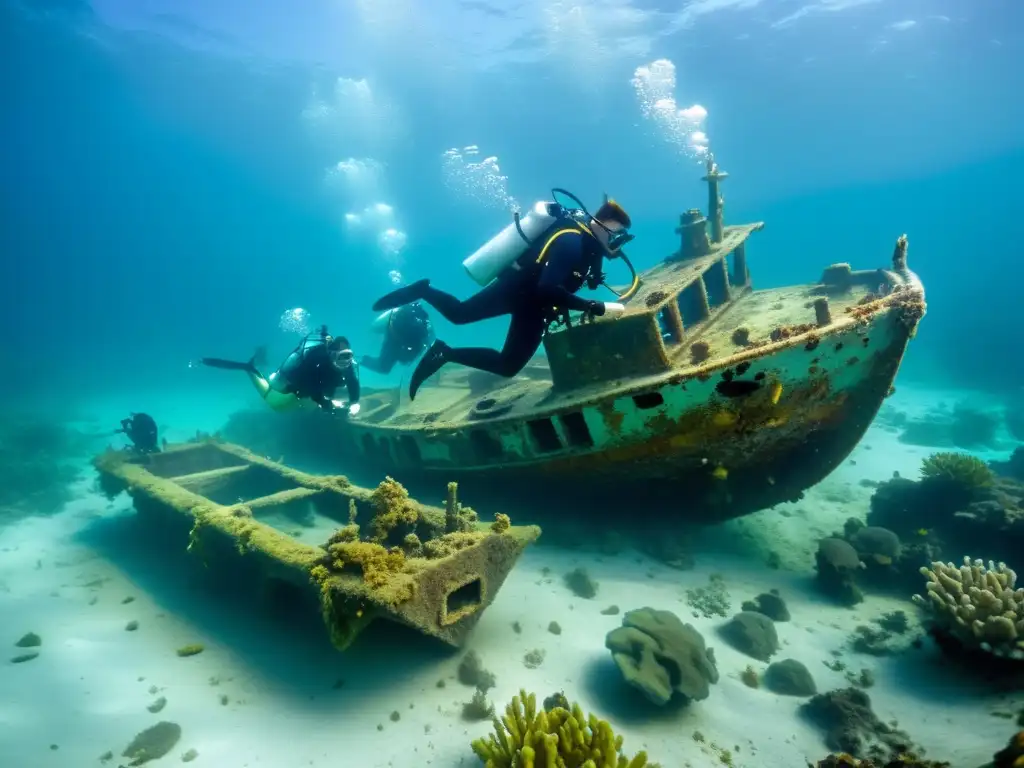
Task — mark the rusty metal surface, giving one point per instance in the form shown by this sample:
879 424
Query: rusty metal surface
701 381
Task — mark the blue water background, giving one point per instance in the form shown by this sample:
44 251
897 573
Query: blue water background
163 199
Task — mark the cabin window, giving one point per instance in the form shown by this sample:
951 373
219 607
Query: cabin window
736 264
648 400
670 325
716 285
385 448
486 446
410 448
545 438
693 304
368 444
664 327
464 598
730 265
576 429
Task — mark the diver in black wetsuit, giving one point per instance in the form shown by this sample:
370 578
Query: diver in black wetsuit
407 334
141 429
313 371
541 285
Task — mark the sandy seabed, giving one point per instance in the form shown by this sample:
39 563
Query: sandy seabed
263 693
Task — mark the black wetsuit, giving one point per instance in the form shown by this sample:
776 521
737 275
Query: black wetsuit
309 373
407 336
141 429
534 295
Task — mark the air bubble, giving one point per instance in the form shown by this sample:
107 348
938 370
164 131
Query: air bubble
655 86
480 182
295 321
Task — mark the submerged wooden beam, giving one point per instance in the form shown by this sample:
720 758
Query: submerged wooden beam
433 569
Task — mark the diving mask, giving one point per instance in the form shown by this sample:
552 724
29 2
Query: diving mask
343 358
618 239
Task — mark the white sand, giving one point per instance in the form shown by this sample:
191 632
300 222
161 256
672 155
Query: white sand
88 690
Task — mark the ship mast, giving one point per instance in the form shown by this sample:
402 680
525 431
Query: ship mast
695 240
716 202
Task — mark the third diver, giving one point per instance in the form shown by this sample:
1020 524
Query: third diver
407 332
313 371
538 284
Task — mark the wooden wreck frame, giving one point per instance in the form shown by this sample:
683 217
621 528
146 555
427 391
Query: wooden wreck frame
215 493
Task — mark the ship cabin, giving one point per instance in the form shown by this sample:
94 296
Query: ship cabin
676 303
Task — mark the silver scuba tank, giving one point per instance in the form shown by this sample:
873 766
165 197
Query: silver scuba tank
382 321
502 250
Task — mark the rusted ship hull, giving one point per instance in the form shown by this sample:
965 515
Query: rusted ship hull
720 460
720 441
705 398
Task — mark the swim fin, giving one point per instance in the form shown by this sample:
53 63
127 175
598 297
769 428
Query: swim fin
259 357
402 296
428 365
230 365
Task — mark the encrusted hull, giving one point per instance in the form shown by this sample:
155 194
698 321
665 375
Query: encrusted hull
716 457
704 399
713 442
263 524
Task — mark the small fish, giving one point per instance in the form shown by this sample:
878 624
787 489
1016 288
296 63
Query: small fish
720 473
922 531
776 392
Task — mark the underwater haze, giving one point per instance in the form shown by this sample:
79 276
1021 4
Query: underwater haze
188 180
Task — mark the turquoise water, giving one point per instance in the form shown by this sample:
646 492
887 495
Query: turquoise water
192 179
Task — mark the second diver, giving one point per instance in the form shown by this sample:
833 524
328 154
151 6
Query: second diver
407 332
313 371
538 286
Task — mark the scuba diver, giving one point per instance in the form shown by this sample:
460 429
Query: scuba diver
313 371
140 428
407 332
532 271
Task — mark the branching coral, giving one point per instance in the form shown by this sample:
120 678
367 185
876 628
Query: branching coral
977 606
525 738
960 468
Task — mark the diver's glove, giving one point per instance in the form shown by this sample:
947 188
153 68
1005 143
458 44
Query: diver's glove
594 309
603 309
342 408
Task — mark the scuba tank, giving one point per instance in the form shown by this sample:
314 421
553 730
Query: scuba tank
505 249
501 251
383 322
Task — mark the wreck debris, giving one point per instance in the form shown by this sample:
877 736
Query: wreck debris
439 583
822 313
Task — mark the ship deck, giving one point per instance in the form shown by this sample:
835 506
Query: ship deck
452 397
